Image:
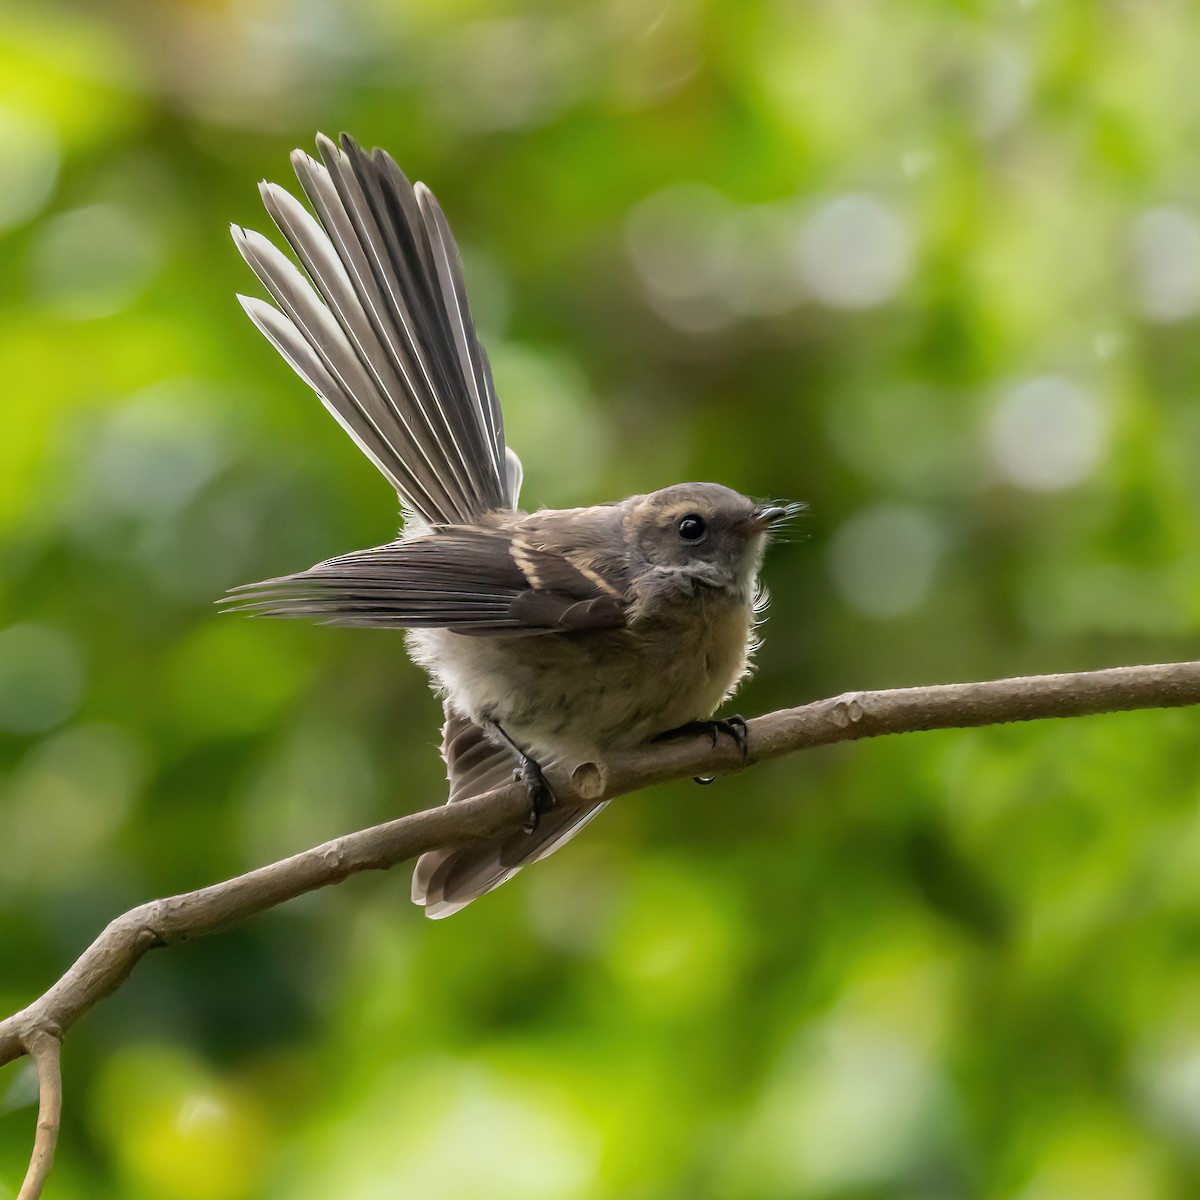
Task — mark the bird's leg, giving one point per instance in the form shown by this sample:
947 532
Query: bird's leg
734 727
529 772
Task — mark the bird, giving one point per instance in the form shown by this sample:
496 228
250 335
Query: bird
554 637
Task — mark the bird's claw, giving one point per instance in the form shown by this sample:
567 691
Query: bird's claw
734 727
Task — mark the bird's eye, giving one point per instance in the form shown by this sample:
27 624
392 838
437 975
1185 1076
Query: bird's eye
691 528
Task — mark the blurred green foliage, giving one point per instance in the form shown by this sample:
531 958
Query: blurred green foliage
933 267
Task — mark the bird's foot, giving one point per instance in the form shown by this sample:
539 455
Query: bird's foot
734 727
537 789
528 772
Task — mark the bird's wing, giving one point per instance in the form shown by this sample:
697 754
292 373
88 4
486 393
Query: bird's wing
471 579
446 880
377 324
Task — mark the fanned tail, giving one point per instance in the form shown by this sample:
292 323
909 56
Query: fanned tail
378 325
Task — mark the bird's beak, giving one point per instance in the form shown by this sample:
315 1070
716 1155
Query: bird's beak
767 516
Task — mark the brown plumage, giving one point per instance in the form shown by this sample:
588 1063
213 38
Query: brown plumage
554 636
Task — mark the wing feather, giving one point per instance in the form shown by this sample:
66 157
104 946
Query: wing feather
474 580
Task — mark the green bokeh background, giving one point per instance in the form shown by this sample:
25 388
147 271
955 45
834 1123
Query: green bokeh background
933 268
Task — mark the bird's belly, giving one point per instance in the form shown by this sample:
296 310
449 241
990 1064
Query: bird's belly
579 695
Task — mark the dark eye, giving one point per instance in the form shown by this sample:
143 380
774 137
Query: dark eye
691 528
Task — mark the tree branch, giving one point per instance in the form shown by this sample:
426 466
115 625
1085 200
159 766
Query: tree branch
37 1029
45 1048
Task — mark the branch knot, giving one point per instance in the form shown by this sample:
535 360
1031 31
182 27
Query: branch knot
848 709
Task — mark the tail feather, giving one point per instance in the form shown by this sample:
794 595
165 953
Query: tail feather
356 400
361 317
378 287
460 326
379 326
313 367
425 259
445 881
411 264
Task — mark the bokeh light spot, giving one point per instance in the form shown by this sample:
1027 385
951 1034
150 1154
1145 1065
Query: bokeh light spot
883 560
92 262
849 1105
1002 86
444 1130
1047 434
1166 260
854 252
156 450
675 241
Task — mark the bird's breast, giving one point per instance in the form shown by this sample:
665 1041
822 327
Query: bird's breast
582 694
